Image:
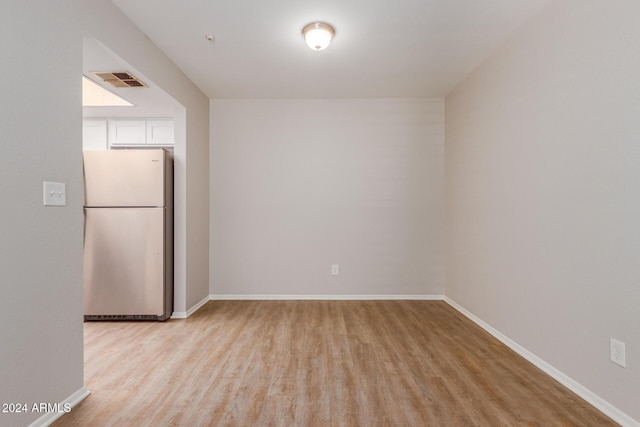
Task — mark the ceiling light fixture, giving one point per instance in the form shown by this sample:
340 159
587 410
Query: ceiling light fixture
318 35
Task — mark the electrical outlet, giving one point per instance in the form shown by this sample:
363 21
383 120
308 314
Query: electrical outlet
335 269
618 355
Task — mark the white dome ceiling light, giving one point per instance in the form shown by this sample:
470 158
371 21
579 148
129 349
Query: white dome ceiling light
318 35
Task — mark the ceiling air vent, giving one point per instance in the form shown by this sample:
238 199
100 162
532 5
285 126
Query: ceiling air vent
120 79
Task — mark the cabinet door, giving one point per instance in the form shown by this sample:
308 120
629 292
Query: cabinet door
127 132
160 132
94 134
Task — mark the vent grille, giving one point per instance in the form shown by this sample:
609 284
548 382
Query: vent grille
122 317
120 78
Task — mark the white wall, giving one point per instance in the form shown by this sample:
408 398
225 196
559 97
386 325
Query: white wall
41 355
40 247
106 23
298 185
542 192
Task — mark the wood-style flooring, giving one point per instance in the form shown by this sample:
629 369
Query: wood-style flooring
316 363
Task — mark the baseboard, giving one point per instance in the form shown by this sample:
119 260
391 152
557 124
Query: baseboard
48 418
196 307
324 297
605 407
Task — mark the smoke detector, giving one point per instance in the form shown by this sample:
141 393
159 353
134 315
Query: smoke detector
120 78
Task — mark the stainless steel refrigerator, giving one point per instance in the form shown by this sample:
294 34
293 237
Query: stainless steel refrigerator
128 236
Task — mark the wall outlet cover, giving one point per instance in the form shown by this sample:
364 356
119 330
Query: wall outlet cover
618 352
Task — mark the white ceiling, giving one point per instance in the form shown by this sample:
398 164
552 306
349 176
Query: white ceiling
382 48
150 101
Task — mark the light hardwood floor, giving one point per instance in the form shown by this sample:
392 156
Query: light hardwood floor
316 363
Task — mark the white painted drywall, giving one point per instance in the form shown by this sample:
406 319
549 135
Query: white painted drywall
40 247
299 185
103 21
542 192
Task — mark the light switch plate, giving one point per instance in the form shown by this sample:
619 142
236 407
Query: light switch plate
54 193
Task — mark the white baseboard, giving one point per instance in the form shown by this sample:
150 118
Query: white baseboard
605 407
325 297
196 307
48 418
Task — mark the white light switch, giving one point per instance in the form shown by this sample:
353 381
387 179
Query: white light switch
335 269
55 193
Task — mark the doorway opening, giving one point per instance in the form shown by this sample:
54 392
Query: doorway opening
149 118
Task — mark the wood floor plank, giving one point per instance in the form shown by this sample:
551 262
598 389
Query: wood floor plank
316 363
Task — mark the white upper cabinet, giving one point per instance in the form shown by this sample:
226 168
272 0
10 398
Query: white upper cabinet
127 132
160 132
131 132
94 134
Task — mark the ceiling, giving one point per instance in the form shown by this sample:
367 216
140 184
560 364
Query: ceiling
150 101
382 48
